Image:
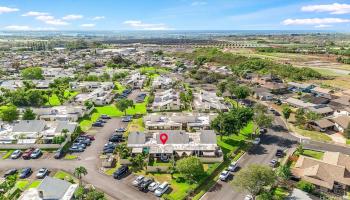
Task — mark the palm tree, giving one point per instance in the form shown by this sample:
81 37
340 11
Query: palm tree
79 172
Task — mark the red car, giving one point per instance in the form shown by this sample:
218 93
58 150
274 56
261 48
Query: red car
91 137
27 153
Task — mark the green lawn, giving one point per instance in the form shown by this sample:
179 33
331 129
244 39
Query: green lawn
314 135
63 175
110 171
34 184
70 94
135 125
70 157
313 154
8 154
22 184
86 123
233 142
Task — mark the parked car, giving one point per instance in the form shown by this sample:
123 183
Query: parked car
118 130
248 197
97 124
91 137
273 163
279 153
110 145
116 138
59 153
36 154
76 148
27 153
42 173
16 154
101 121
25 172
10 172
122 170
224 175
109 150
161 189
83 140
256 141
153 186
105 117
126 119
138 180
145 183
233 166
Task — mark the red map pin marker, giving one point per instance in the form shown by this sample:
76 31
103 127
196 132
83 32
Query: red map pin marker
163 137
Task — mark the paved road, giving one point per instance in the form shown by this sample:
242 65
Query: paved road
119 190
276 138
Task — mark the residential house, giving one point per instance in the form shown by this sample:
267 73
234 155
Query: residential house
50 189
100 93
342 111
28 131
205 101
322 125
341 123
136 80
166 101
322 92
179 143
61 113
263 94
298 103
300 87
343 101
162 82
322 110
270 82
178 121
330 174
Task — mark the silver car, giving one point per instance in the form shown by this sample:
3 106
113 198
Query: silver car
161 189
153 186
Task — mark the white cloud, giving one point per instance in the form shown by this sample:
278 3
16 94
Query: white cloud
334 8
323 26
98 18
28 28
72 17
136 24
199 3
4 9
48 19
17 28
314 21
88 25
34 14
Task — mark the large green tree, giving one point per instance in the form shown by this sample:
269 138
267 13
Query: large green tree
254 178
9 114
241 92
32 73
79 172
286 111
233 121
28 114
190 168
124 104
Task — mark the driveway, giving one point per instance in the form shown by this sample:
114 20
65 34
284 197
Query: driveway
338 138
118 190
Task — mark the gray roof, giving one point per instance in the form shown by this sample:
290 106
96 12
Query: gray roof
28 126
174 137
53 189
207 137
65 125
136 138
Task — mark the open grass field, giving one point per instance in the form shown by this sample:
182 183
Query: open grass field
22 184
34 184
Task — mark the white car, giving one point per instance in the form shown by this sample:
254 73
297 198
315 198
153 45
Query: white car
224 175
42 173
153 186
256 141
248 197
138 180
16 154
233 166
161 189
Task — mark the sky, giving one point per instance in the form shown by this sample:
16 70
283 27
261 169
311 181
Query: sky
175 15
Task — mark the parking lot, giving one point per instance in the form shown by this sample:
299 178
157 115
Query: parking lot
134 95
